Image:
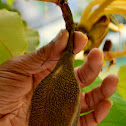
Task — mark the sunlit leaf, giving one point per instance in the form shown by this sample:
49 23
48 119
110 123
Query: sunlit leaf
12 36
105 72
78 63
117 114
32 38
10 2
97 82
6 6
122 83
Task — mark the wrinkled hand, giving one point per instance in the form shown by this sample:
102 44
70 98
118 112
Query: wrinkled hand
20 75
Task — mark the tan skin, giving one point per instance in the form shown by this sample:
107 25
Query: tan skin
20 75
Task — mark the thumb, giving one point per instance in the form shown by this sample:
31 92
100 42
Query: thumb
31 63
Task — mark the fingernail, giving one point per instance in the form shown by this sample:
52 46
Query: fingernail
111 102
85 37
58 36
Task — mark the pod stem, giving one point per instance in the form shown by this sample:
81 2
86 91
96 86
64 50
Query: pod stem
68 18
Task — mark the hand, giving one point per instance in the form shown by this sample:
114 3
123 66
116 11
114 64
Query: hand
95 99
20 75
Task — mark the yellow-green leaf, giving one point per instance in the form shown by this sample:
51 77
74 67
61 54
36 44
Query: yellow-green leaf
122 83
32 38
105 72
10 2
12 35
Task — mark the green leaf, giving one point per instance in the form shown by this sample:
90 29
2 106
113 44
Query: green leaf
12 35
94 84
122 82
117 114
78 63
32 38
10 2
97 82
6 6
105 72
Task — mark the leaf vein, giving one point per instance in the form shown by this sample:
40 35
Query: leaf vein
6 47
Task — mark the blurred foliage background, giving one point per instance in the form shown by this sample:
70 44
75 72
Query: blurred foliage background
46 17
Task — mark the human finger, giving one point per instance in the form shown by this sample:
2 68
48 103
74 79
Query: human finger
47 55
87 73
100 112
90 99
80 40
31 63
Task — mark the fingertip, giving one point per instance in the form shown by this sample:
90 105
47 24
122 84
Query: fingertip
111 102
109 85
94 50
80 40
111 79
81 35
102 109
60 42
106 104
95 59
97 53
114 78
62 34
99 113
65 33
87 73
